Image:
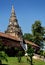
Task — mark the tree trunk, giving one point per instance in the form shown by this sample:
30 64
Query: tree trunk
31 61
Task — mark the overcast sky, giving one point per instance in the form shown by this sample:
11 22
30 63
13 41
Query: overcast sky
27 12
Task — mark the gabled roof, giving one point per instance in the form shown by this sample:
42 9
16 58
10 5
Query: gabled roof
17 39
9 36
31 43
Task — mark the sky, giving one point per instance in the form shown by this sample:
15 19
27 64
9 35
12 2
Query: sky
27 12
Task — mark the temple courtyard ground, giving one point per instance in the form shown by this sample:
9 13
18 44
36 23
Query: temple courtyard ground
14 61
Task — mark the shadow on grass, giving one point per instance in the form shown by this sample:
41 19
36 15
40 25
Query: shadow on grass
4 64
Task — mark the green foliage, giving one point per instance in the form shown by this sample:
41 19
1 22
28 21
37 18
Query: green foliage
16 49
28 36
19 56
20 53
30 52
38 33
37 28
3 56
2 53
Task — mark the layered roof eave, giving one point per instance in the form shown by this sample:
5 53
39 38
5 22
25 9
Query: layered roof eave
31 43
9 36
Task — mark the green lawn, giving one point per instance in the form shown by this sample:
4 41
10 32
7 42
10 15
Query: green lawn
14 61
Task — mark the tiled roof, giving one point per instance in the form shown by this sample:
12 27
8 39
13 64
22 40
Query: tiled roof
16 39
31 43
9 36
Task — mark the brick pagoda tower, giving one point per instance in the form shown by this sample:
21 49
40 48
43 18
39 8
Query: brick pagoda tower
13 28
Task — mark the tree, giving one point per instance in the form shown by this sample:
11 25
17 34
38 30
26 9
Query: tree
19 56
28 36
38 33
30 52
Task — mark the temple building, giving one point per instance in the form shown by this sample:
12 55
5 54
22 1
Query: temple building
13 36
13 28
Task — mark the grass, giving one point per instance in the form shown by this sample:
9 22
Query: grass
39 62
14 61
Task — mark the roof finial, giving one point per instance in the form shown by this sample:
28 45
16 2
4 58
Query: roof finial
12 9
13 12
